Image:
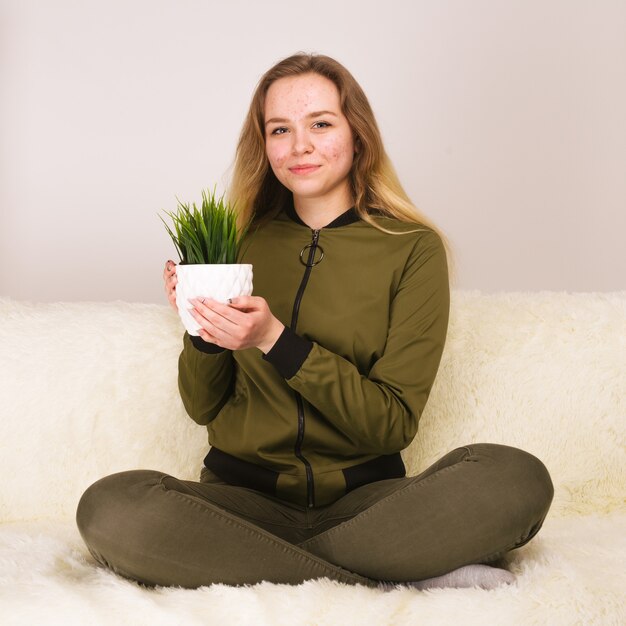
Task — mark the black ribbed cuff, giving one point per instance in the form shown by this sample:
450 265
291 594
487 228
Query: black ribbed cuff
205 346
288 353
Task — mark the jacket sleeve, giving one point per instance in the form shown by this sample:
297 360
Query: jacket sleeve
380 412
205 378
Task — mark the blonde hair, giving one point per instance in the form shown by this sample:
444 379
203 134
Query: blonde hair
258 195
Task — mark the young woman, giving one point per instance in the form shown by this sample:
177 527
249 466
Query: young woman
310 388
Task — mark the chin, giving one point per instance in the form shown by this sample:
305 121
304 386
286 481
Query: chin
306 190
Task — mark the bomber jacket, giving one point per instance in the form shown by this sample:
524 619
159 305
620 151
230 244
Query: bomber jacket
340 393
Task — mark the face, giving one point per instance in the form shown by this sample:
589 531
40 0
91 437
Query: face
304 125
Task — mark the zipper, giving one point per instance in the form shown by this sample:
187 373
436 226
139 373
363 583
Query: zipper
310 485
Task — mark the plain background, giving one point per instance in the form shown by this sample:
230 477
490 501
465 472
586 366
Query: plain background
505 120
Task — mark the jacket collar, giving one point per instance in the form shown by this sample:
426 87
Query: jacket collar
347 217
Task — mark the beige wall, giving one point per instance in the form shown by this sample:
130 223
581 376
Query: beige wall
505 120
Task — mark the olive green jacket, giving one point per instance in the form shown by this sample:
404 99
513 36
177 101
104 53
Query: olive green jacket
341 392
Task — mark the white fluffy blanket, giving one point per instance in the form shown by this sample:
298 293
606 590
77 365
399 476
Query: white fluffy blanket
88 389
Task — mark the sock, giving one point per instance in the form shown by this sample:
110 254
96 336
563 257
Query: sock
475 575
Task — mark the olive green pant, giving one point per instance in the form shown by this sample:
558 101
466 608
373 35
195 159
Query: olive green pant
471 506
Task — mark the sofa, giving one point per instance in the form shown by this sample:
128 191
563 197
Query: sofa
90 388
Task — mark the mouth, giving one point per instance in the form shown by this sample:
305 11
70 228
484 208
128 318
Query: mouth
304 170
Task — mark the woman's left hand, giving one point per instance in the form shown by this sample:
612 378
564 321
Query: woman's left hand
246 322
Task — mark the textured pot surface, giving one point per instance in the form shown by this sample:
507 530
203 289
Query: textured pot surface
218 281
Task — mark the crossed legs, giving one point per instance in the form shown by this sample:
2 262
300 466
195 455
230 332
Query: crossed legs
471 506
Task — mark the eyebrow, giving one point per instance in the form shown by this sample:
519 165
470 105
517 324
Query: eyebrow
314 114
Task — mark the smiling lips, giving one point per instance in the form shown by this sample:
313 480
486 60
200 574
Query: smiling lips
303 169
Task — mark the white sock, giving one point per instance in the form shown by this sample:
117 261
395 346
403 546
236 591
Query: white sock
475 575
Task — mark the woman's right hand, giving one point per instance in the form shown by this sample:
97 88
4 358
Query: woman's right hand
169 276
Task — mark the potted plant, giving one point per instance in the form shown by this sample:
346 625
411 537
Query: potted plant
208 244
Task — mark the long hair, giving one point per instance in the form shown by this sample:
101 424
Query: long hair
258 195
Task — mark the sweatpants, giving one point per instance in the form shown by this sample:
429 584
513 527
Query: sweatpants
471 506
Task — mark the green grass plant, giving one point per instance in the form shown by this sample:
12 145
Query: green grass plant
207 234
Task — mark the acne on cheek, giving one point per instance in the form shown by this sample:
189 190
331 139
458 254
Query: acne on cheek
276 157
279 161
338 152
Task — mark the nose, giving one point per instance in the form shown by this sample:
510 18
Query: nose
301 142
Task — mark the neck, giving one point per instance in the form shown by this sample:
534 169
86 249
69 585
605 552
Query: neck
317 214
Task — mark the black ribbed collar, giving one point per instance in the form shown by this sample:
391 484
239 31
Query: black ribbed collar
347 217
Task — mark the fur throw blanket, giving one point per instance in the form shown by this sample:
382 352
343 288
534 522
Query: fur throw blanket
90 388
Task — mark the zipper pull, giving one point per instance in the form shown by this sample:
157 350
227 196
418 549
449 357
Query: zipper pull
313 244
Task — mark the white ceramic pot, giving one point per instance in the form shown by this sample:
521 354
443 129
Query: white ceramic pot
219 281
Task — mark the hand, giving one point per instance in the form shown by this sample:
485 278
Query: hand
246 322
170 278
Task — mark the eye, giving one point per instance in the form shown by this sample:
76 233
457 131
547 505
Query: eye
275 131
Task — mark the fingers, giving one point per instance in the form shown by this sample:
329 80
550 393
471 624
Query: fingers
226 324
248 303
170 280
220 320
222 316
169 274
207 336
